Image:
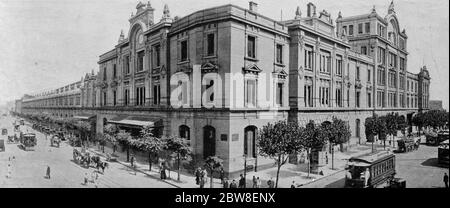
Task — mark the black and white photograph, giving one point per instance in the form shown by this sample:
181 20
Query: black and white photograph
243 94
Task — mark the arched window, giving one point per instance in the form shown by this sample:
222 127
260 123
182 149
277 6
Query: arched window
184 132
358 128
250 141
209 141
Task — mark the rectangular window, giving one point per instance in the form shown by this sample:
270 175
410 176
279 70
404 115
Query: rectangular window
308 91
140 61
369 100
367 27
339 65
369 73
114 98
140 96
114 71
360 28
156 94
210 45
279 54
381 56
250 95
104 99
126 64
357 98
126 97
348 98
156 56
402 64
357 73
350 30
338 97
364 50
184 50
308 58
279 94
344 29
104 76
251 46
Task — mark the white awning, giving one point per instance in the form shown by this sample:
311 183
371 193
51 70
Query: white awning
136 121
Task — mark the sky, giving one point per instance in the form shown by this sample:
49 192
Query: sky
47 44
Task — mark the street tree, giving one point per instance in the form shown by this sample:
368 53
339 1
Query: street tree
419 120
310 140
213 163
110 132
382 129
102 138
147 142
370 125
391 120
337 132
180 150
125 140
277 141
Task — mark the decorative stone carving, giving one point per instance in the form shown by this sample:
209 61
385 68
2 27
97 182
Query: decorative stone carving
301 72
280 73
251 69
209 67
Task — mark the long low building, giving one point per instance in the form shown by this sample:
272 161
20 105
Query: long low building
216 76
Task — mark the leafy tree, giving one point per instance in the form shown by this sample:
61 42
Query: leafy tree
110 133
124 138
278 141
371 129
180 150
102 138
382 129
310 140
419 120
391 124
213 163
336 132
149 143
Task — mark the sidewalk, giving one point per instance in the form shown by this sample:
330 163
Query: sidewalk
288 172
186 181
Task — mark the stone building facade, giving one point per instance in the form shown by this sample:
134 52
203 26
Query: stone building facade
216 76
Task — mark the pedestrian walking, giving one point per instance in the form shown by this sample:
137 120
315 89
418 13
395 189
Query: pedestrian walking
226 183
233 184
255 182
202 182
258 182
446 180
85 179
242 182
270 183
293 184
132 161
197 176
221 175
163 172
8 174
48 172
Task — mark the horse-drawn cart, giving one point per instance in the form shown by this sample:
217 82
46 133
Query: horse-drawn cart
55 141
407 144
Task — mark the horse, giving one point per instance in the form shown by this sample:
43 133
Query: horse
102 165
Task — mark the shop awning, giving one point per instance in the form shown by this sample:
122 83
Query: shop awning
84 116
136 121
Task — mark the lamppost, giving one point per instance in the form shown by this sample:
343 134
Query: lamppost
245 169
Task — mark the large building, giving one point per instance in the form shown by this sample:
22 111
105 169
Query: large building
436 105
218 75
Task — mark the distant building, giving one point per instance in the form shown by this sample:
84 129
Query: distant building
436 105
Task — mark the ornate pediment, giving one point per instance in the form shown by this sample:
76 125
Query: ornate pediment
358 84
251 69
101 84
280 73
114 83
369 87
209 67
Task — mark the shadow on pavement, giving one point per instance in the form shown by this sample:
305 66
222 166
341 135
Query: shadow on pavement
337 184
433 162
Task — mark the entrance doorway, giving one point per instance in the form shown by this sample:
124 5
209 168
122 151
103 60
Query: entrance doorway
209 141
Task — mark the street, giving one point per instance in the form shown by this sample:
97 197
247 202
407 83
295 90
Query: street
29 168
419 168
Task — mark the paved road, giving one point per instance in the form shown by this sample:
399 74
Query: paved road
29 168
419 169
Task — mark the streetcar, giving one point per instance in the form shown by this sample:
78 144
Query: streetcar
443 153
371 170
